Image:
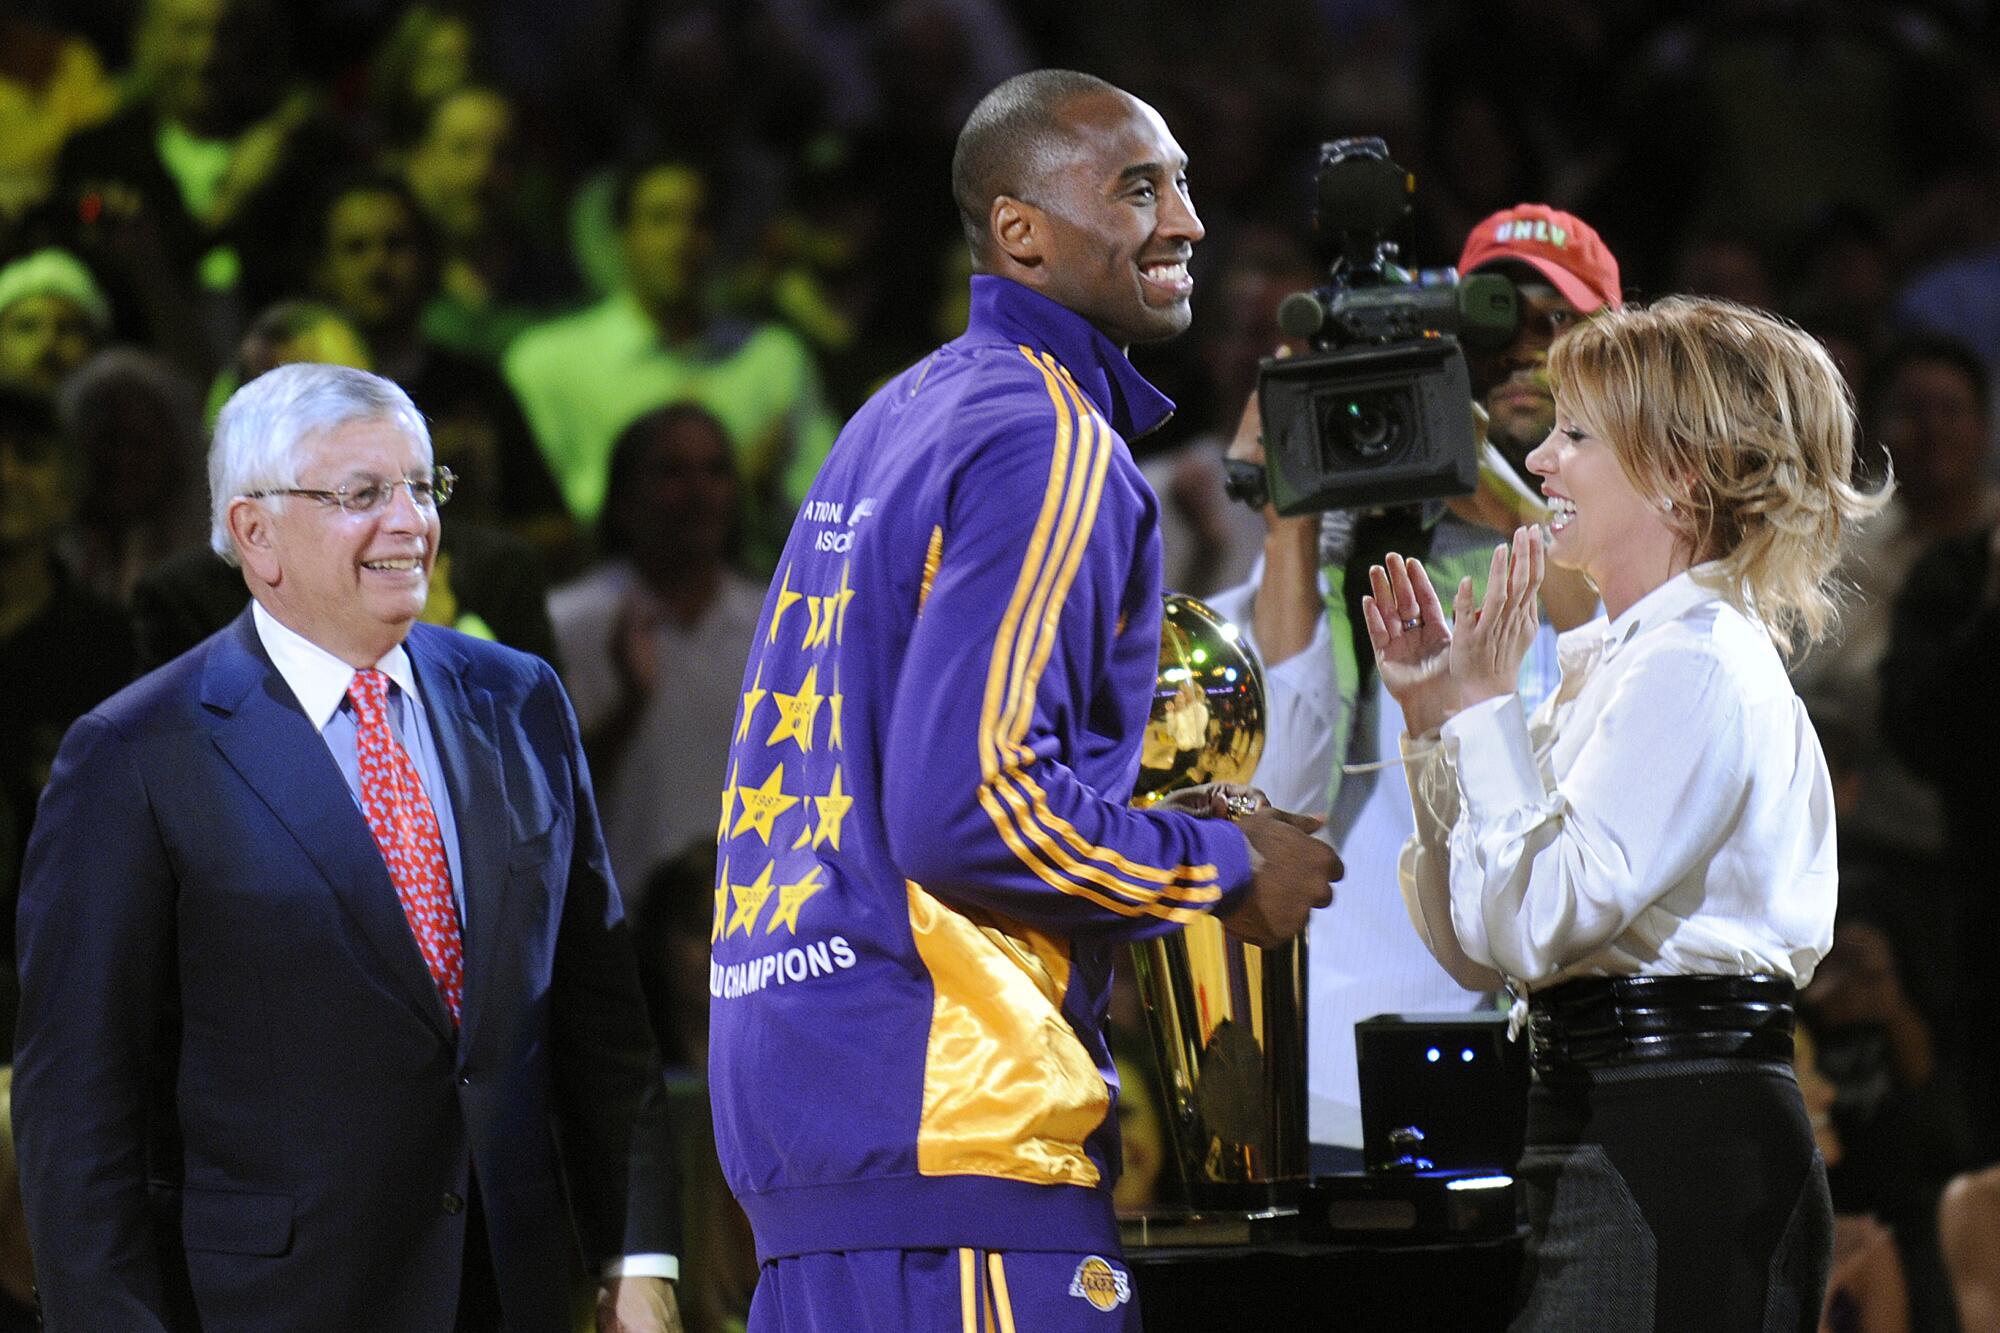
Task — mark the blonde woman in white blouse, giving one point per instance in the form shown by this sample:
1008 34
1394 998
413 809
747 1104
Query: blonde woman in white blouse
1647 863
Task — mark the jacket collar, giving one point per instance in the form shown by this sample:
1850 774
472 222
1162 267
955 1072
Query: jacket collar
1005 311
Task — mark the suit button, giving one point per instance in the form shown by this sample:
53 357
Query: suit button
453 1204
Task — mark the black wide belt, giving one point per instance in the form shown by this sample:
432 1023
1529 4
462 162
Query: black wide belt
1598 1022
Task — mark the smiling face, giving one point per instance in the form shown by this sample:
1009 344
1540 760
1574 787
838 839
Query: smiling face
1115 225
351 583
1601 524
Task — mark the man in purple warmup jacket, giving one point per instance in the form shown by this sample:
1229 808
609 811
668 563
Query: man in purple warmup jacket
927 853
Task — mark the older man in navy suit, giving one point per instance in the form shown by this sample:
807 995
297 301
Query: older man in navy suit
329 1019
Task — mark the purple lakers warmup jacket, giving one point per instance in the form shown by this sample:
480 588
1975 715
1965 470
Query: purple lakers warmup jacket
926 854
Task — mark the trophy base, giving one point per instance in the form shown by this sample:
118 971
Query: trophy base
1411 1207
1182 1228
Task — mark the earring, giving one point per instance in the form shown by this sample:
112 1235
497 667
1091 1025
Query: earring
1667 504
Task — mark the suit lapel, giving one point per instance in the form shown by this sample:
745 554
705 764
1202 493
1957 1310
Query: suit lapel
266 737
463 724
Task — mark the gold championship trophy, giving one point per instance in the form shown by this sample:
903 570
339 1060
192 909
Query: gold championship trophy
1227 1018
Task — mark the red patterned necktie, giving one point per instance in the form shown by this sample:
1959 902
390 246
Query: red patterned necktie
406 829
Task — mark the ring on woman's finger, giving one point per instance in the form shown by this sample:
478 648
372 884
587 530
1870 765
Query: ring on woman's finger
1414 622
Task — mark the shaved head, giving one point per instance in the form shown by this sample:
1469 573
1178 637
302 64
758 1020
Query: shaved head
1012 140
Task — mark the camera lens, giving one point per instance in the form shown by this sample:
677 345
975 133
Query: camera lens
1367 425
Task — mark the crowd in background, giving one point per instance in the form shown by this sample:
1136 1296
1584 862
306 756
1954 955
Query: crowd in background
636 259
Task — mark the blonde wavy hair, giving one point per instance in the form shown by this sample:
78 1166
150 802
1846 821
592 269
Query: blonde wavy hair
1743 422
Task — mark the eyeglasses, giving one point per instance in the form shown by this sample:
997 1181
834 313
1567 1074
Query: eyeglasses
365 495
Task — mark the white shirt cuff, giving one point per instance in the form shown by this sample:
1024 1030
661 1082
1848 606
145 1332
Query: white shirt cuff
1495 760
644 1265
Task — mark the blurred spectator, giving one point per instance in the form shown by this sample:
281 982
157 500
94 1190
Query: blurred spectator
496 270
1482 160
52 316
1718 264
1754 116
1891 890
1927 407
131 423
63 648
187 193
583 378
1209 541
1866 1292
1902 1128
294 331
454 168
1969 1220
427 54
1936 683
727 83
373 257
655 640
671 930
1957 298
52 84
1842 273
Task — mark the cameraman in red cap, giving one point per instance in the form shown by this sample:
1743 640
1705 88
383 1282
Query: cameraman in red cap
1331 723
1562 272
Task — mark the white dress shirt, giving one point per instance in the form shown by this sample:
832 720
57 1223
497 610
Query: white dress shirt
1666 811
319 682
662 795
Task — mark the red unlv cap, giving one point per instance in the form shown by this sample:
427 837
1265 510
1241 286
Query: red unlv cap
1562 247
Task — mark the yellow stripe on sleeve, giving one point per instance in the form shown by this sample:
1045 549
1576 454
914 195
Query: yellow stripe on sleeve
1018 725
1079 512
1042 576
1038 540
1072 875
1080 463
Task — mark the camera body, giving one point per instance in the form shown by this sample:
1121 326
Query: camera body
1367 426
1380 410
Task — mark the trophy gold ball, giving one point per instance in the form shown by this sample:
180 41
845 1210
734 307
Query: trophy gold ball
1227 1018
1207 722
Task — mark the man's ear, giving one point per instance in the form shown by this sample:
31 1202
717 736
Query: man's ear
1016 227
250 526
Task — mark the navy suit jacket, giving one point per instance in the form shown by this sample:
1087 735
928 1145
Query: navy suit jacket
238 1099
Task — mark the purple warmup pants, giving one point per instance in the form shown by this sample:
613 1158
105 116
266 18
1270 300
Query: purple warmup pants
950 1291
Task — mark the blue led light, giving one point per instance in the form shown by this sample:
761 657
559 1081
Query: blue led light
1431 1055
1466 1055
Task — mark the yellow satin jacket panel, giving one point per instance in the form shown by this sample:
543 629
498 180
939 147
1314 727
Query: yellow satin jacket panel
1008 1089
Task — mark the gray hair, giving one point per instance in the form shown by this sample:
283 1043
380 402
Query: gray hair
263 426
